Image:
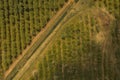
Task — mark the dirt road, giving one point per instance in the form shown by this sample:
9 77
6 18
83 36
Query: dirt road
28 55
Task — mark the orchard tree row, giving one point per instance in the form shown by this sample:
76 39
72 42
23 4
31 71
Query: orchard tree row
86 48
20 22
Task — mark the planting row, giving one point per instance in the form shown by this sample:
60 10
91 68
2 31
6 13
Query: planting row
20 22
83 51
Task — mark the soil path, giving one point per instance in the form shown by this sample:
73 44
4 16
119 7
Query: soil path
37 41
